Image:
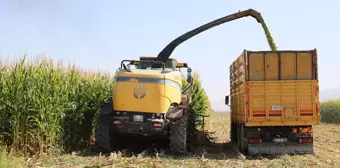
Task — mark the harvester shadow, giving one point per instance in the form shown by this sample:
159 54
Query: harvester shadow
153 147
133 145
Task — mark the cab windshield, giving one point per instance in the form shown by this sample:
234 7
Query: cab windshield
147 65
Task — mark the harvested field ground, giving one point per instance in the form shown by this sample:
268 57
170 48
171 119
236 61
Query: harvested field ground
220 154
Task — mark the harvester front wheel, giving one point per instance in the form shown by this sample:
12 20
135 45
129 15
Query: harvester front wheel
104 141
178 135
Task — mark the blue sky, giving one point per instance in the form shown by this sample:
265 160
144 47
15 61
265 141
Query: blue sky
98 34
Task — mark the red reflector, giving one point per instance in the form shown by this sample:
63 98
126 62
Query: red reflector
157 125
254 140
117 123
306 140
259 115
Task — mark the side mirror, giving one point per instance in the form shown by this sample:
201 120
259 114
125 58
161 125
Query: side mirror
226 101
189 79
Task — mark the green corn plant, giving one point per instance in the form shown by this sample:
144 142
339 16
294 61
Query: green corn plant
79 123
200 103
3 114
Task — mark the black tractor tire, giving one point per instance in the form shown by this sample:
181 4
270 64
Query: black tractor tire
104 141
233 132
178 135
192 132
231 135
238 139
243 143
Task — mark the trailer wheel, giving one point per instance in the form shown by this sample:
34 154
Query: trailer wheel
243 140
178 135
233 133
104 141
238 137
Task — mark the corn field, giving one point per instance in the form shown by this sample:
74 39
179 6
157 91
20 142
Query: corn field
48 108
330 111
44 107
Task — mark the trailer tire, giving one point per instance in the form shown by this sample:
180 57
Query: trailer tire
178 135
243 140
233 133
238 137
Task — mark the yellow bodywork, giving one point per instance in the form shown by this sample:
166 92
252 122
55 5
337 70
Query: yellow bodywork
148 91
275 88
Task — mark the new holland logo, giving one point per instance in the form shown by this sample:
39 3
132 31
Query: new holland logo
139 92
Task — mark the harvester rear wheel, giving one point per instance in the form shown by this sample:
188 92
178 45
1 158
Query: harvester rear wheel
104 141
192 133
178 135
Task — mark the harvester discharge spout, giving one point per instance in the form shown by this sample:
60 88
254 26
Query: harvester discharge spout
167 51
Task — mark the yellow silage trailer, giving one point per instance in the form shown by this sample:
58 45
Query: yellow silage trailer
274 101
